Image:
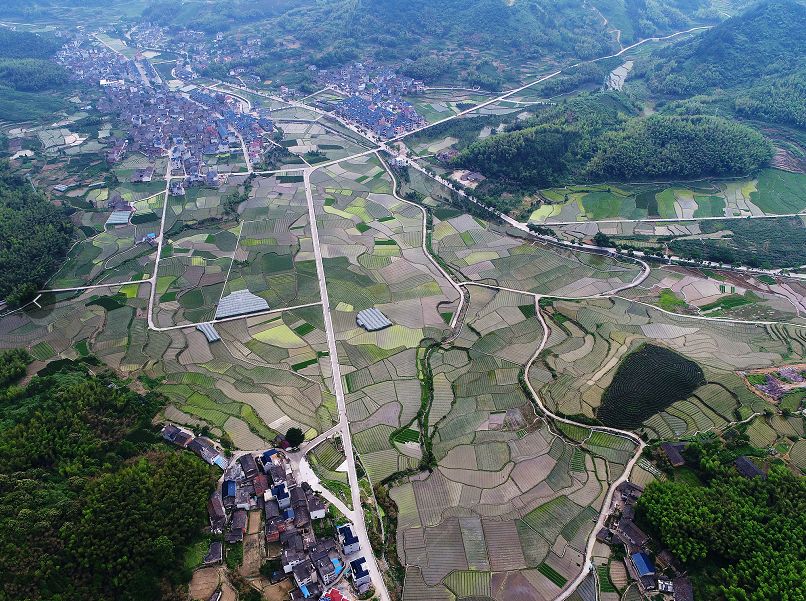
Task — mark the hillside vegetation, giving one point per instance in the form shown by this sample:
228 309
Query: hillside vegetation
599 137
755 60
639 19
92 505
34 237
738 538
24 72
768 40
679 147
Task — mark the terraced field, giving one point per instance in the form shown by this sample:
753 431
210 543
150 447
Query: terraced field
261 378
372 244
647 381
480 254
501 474
590 340
773 192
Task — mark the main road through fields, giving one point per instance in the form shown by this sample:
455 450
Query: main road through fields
357 514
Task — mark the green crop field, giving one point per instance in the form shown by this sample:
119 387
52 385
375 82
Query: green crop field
709 206
552 574
647 381
780 192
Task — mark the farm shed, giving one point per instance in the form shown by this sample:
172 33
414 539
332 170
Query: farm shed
209 332
248 464
633 533
241 302
215 554
215 509
643 564
372 320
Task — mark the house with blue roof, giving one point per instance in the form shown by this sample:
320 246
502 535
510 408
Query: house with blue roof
643 571
348 539
643 564
358 569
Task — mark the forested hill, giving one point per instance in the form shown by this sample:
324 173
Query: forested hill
768 40
595 137
22 44
640 19
26 73
92 504
528 27
34 237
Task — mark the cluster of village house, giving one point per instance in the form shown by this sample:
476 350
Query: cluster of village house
265 481
374 98
622 530
189 126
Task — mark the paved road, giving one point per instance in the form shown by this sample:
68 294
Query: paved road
670 219
153 279
338 389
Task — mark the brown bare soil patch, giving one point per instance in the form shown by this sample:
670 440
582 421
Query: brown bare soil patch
204 583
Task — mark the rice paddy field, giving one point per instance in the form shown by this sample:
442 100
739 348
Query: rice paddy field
480 254
773 192
111 253
373 257
263 377
591 354
508 508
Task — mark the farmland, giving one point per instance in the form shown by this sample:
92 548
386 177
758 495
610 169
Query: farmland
246 387
495 446
725 294
634 396
206 258
773 192
502 476
592 348
481 254
373 245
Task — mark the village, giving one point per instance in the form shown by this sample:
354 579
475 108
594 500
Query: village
652 567
319 561
204 133
374 98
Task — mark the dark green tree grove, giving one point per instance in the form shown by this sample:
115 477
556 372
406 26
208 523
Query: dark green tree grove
740 538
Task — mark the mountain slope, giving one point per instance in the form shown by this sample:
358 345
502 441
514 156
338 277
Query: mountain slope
769 40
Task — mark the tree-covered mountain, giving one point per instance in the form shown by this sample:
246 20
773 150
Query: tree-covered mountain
601 137
640 19
78 455
678 147
34 237
769 40
25 71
